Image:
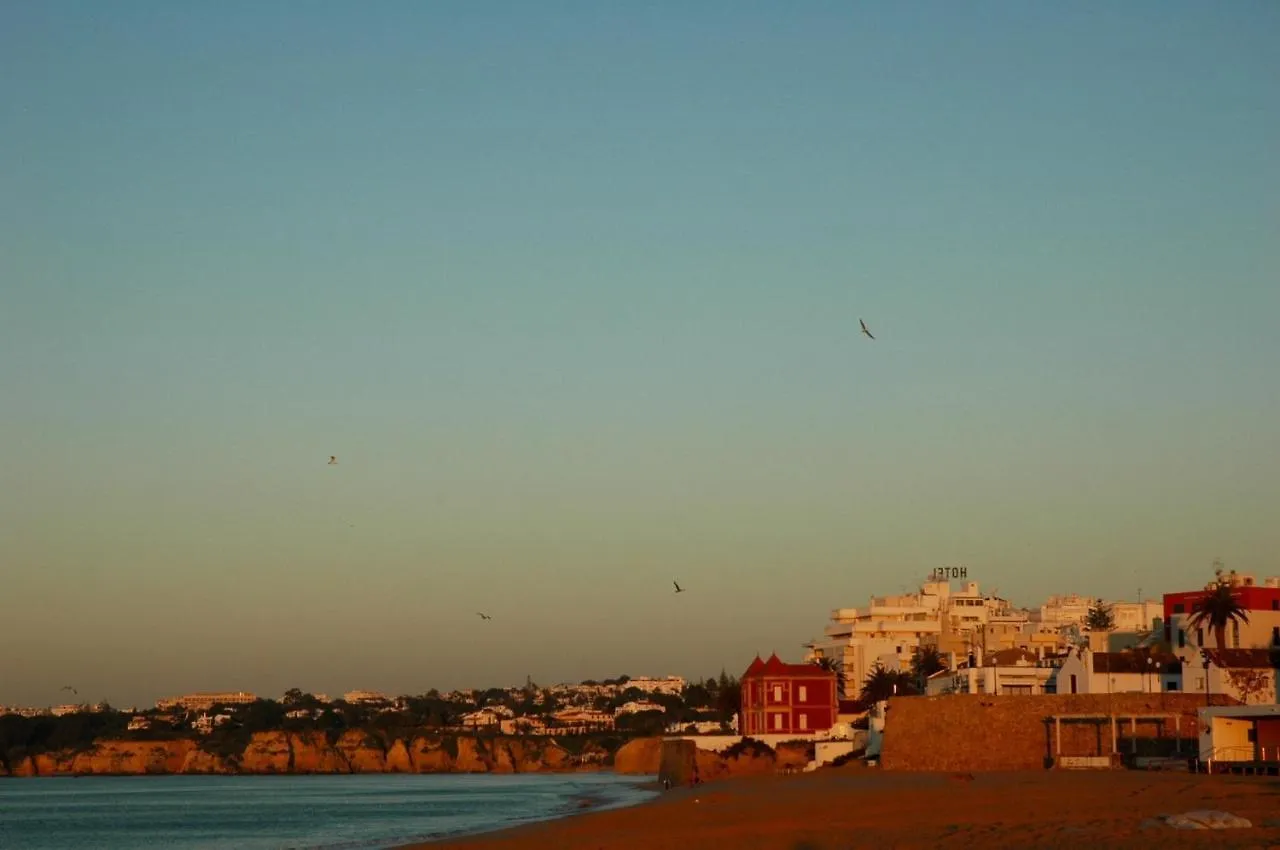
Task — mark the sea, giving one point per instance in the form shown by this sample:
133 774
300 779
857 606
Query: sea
342 812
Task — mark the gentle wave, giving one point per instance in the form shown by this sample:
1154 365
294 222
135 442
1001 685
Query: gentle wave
350 812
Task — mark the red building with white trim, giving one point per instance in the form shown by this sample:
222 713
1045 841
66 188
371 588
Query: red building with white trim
783 699
1260 602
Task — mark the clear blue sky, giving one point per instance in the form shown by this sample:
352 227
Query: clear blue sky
572 291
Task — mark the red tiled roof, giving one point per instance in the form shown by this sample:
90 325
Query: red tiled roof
1132 662
775 667
1242 659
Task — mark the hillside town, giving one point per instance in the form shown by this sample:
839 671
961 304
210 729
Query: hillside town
947 638
961 640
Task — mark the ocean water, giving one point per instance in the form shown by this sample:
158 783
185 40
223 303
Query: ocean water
294 812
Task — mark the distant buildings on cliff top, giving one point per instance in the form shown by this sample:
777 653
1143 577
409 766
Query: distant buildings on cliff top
572 695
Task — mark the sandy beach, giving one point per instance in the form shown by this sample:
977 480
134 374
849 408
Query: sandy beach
854 808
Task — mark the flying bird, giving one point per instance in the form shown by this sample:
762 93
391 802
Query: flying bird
483 616
864 329
679 589
333 460
69 688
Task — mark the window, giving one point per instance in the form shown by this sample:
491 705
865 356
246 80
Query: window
1275 635
1275 604
804 722
777 693
1179 608
777 721
1170 686
804 695
1073 683
1182 638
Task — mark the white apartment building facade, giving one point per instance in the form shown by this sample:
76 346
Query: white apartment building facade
889 630
205 700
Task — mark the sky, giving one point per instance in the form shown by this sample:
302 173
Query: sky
572 292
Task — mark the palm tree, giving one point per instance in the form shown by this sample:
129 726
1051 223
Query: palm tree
1219 606
925 662
836 667
882 683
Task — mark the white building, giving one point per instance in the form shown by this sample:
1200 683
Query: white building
1008 672
1248 675
889 630
364 697
637 707
581 720
672 685
1138 617
493 715
205 723
1085 671
1240 733
203 701
1059 611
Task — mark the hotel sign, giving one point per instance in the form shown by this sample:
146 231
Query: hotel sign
948 573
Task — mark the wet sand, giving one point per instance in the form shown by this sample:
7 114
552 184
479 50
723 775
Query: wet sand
854 808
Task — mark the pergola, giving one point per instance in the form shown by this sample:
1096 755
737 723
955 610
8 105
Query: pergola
1115 720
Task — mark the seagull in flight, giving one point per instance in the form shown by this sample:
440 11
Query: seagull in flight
333 460
69 688
483 616
679 589
864 329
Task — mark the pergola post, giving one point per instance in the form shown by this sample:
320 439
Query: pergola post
1057 740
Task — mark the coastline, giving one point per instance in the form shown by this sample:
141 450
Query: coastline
581 806
842 808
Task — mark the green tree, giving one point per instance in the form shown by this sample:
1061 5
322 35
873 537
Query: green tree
293 696
882 683
1218 606
696 696
729 698
925 662
1099 617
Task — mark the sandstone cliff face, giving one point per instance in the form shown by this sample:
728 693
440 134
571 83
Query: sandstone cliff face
267 752
362 753
310 752
639 757
198 761
429 755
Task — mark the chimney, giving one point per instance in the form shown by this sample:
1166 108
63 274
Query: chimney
951 661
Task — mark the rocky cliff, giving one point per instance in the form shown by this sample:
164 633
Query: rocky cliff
311 752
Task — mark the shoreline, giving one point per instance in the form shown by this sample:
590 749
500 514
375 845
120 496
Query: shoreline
842 808
581 806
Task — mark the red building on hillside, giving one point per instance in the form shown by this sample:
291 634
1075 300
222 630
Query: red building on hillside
781 699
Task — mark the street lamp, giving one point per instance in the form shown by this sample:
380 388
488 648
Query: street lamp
1151 666
1205 656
